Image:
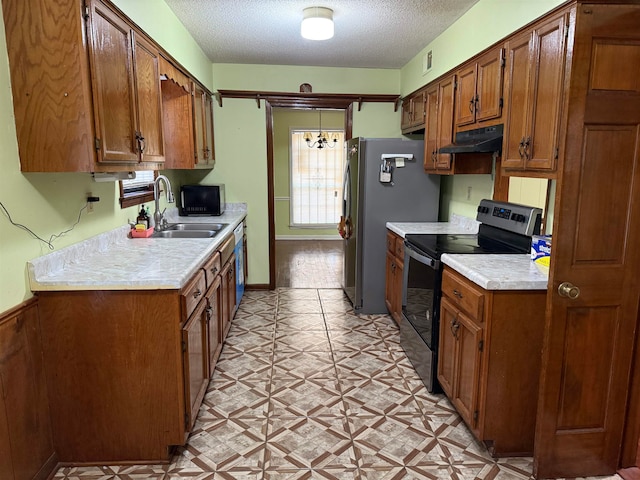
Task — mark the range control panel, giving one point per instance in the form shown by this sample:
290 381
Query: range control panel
513 217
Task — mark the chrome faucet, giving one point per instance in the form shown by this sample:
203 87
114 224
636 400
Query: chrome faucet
158 216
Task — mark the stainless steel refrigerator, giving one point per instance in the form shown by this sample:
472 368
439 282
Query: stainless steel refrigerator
384 181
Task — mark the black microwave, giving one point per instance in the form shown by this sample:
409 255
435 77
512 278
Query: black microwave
202 200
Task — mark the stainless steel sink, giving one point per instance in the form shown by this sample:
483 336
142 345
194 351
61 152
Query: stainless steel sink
216 227
185 234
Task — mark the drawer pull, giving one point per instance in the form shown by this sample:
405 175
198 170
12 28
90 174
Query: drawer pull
214 270
457 293
197 293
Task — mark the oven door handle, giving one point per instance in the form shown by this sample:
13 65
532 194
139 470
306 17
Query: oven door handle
410 251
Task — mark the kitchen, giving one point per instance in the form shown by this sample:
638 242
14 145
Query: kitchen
50 194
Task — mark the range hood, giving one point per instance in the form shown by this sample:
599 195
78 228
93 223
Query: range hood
480 140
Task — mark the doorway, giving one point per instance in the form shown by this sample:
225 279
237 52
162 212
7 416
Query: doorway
346 108
307 196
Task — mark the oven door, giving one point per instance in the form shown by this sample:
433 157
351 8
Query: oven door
420 314
421 294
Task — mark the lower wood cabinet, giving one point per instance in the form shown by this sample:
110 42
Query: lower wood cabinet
394 273
26 442
489 361
127 370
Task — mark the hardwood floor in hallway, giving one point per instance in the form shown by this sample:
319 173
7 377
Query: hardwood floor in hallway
309 263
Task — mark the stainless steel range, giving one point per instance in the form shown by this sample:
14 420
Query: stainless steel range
505 228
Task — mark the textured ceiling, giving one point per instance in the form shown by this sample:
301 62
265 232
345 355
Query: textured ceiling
368 33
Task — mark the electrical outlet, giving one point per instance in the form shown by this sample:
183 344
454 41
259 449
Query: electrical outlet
89 204
468 193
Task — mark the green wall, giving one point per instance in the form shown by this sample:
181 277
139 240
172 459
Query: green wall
283 121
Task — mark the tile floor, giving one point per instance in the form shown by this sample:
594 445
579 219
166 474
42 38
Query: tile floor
305 389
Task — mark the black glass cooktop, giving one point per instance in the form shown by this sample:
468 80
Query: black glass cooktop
434 245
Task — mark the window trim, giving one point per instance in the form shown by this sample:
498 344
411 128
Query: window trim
130 199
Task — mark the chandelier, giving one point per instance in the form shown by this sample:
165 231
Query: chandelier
323 140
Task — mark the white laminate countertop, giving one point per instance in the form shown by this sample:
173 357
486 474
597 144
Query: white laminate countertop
499 272
457 225
112 261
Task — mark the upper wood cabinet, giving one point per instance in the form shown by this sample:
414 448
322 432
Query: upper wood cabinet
440 103
414 112
203 127
479 91
50 75
126 90
87 91
533 99
439 125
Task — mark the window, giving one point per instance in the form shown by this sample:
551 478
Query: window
316 180
138 190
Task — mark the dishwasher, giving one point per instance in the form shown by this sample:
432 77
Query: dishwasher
239 251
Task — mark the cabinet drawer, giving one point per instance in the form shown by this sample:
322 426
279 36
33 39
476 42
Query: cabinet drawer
193 293
226 249
463 294
391 242
212 268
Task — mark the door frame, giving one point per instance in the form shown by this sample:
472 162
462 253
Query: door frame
294 103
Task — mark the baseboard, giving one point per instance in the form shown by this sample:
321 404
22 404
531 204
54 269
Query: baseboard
632 473
257 286
49 469
307 237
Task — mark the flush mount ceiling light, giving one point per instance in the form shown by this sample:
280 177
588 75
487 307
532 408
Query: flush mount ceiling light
317 23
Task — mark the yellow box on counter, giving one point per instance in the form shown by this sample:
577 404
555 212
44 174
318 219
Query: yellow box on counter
541 249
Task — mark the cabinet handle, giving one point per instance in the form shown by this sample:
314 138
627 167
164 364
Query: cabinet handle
472 104
521 148
141 142
197 293
214 270
457 293
527 152
454 328
209 311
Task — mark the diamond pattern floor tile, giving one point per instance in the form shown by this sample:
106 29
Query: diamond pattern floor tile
306 389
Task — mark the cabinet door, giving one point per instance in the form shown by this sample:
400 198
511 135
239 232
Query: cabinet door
389 284
447 347
431 129
407 117
489 85
466 96
149 101
231 285
228 279
468 355
195 362
214 311
446 94
24 404
209 152
199 124
418 106
113 86
541 144
518 73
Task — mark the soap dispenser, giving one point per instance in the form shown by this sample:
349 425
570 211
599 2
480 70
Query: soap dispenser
143 219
